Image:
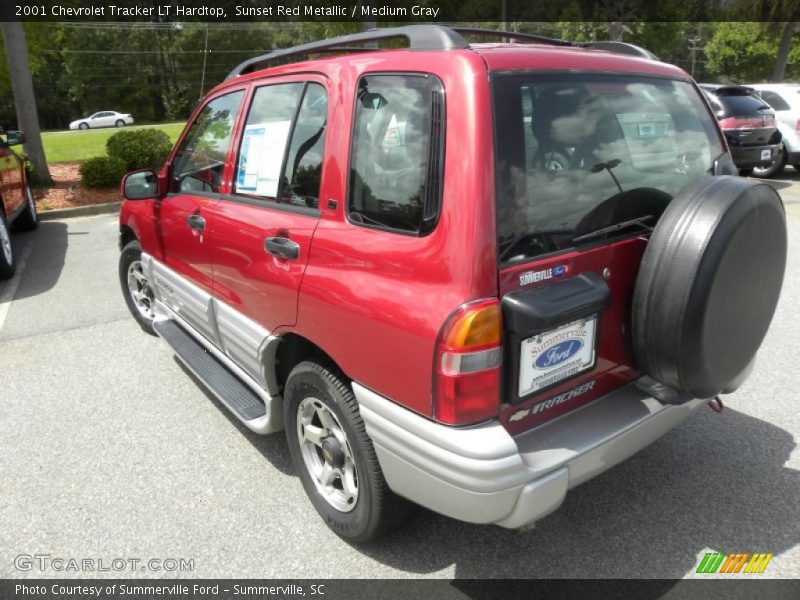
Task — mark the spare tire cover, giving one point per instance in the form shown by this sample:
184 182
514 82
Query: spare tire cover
708 285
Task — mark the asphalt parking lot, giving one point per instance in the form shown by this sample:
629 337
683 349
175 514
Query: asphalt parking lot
109 449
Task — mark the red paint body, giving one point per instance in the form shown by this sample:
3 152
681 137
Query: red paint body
12 180
376 301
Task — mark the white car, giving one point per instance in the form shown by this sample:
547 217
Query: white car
104 118
784 98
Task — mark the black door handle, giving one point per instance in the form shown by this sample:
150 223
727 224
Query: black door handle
196 222
283 247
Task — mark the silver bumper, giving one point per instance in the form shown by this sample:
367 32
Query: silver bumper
481 474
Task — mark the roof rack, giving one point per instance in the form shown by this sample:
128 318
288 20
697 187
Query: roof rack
420 37
512 35
423 37
619 48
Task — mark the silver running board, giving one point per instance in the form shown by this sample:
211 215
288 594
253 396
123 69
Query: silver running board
259 411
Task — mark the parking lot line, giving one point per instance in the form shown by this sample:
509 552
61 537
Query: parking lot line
7 297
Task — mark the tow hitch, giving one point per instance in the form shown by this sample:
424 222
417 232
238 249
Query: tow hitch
716 405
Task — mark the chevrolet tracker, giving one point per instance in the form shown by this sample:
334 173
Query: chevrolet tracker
468 276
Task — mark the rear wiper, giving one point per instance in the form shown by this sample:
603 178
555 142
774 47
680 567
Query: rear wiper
614 227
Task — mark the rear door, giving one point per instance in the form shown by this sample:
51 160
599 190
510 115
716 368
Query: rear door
197 179
581 153
263 229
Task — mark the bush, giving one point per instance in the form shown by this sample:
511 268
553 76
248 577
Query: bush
140 149
102 171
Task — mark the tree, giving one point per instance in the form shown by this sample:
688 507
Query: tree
784 47
24 98
745 53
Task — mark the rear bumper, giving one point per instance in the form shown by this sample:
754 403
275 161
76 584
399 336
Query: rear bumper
481 474
748 157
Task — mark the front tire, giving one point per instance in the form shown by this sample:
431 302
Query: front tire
334 456
135 287
83 126
7 264
29 219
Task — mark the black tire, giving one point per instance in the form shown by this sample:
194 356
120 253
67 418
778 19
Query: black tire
708 285
8 265
120 123
28 220
772 170
83 126
377 510
132 253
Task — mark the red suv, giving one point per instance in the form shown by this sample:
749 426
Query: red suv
469 276
17 206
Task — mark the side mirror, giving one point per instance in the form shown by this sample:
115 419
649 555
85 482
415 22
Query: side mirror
140 185
15 138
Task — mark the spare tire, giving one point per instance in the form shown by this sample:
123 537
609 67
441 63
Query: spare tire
708 285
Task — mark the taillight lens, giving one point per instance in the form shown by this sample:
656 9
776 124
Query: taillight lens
467 367
797 127
747 122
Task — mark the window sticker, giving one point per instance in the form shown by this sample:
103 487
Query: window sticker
260 158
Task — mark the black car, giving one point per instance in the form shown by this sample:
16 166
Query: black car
748 124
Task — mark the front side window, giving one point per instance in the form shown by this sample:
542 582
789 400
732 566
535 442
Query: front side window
201 157
396 152
578 153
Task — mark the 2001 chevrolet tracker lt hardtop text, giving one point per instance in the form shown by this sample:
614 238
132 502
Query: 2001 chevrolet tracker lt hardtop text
466 276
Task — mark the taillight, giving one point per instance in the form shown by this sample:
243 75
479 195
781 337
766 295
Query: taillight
797 127
747 122
467 368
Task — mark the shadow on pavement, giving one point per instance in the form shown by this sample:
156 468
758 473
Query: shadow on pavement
47 247
715 482
273 446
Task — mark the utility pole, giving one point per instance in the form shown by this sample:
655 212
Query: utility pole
24 99
694 40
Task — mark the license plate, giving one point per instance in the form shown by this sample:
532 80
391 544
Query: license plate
550 357
766 154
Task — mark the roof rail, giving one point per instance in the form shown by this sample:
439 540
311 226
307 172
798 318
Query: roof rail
420 37
619 48
424 37
512 35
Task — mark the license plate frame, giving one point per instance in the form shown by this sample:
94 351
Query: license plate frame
552 357
766 154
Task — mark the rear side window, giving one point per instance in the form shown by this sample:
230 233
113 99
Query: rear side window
264 139
397 153
774 100
199 161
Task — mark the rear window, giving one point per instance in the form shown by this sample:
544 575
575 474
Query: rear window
578 153
742 104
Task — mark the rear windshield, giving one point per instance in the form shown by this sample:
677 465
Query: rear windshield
742 104
578 153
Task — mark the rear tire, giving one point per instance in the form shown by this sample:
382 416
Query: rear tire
772 170
135 287
335 458
29 219
7 264
120 123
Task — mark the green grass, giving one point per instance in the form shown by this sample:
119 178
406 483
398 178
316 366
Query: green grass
77 146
